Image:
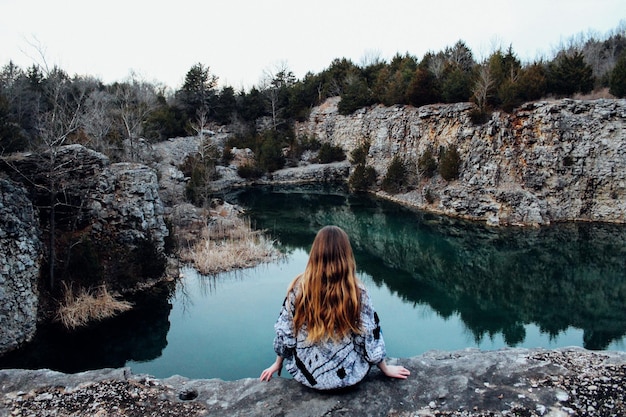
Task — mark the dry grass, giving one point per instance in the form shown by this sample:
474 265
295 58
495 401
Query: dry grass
595 95
229 244
79 309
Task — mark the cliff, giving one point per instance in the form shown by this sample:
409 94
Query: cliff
109 217
20 260
509 382
546 162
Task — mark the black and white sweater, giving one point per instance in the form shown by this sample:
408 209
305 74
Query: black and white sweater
329 365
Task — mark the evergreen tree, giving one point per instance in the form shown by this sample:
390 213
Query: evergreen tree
198 90
423 89
617 82
569 74
532 83
355 96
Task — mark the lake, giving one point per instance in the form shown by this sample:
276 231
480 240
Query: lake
436 282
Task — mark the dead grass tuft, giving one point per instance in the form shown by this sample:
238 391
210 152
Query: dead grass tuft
228 244
79 309
595 95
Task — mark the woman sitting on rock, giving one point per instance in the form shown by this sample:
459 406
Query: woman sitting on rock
327 332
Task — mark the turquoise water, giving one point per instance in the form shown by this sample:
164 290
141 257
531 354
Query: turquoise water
437 283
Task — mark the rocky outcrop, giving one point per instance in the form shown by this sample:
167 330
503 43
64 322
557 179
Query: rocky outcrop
519 382
126 203
312 173
106 210
20 255
547 161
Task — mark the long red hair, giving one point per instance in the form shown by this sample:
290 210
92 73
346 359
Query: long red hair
328 302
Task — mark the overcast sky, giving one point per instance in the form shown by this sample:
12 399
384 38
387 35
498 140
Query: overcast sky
239 39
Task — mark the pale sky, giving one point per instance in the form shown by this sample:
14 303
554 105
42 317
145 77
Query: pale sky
239 39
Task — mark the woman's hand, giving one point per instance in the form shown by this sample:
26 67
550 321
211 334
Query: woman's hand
394 371
266 375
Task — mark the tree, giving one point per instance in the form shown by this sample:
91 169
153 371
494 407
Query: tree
10 138
426 163
393 81
617 82
275 86
97 119
335 77
250 106
198 90
55 127
569 74
424 88
504 69
532 82
395 179
225 106
135 100
460 56
355 95
483 86
455 85
449 163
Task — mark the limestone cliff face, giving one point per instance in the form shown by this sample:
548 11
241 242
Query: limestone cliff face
116 206
548 161
20 256
126 203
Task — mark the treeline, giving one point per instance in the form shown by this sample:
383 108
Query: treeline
47 106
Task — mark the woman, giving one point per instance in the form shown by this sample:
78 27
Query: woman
327 332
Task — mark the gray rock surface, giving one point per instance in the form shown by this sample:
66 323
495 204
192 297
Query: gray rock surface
547 161
126 202
313 173
513 382
20 258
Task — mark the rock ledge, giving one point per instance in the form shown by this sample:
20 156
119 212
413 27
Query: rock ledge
507 382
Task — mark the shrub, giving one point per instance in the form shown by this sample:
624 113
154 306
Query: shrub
429 195
227 155
270 156
249 171
201 169
617 80
426 164
329 153
479 116
359 154
449 163
362 178
396 178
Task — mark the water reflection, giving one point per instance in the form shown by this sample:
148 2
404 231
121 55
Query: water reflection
140 334
496 280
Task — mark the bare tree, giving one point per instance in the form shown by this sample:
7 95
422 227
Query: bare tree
201 124
135 100
274 84
97 119
483 85
56 125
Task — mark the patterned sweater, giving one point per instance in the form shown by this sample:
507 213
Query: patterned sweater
329 365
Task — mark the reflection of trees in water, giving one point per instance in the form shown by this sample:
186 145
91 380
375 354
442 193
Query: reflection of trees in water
139 335
496 279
